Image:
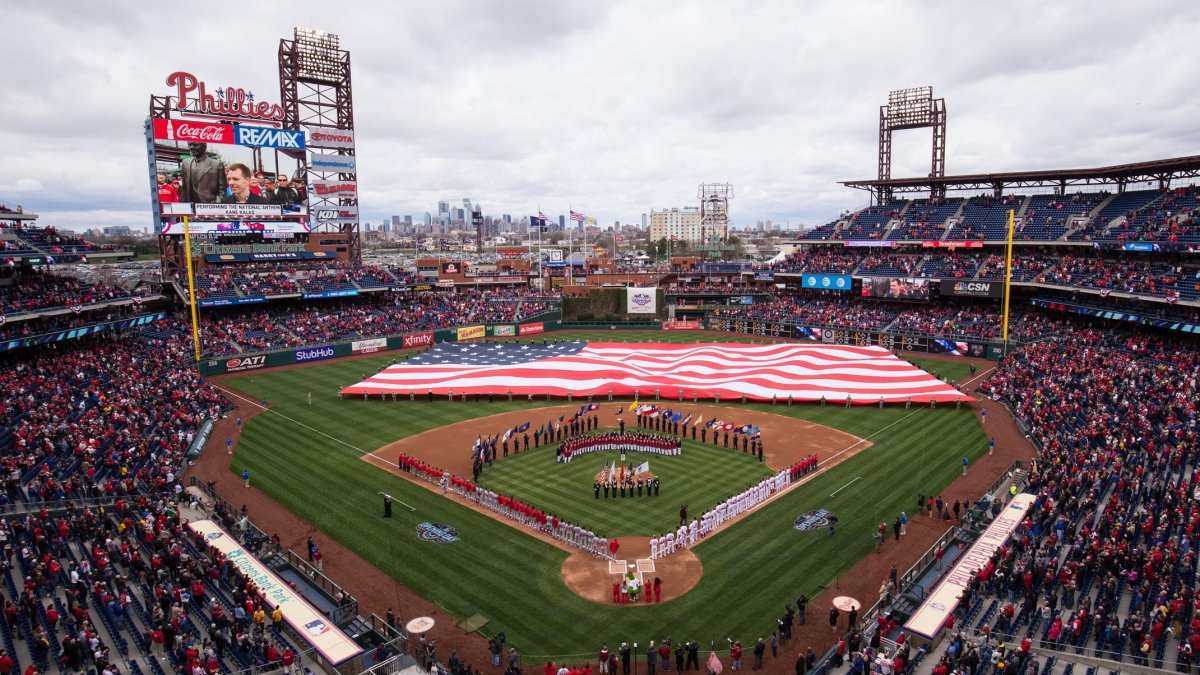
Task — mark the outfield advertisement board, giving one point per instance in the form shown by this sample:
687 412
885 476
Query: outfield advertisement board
471 332
531 328
417 340
504 331
314 354
368 346
941 602
308 622
240 363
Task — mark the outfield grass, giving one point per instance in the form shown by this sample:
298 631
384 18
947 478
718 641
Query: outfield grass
700 477
307 458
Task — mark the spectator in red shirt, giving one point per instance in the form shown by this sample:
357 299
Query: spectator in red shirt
166 192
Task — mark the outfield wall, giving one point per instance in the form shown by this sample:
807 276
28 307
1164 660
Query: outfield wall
976 348
544 323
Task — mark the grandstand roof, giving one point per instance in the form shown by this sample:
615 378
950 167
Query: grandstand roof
1121 174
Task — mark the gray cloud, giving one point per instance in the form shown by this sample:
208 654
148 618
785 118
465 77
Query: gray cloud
611 108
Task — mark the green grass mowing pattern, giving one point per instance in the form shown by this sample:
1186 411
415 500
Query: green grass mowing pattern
307 459
700 477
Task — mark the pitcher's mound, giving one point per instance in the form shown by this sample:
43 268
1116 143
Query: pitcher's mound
592 578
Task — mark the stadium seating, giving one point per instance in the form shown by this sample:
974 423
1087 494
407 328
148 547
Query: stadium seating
925 219
47 291
985 218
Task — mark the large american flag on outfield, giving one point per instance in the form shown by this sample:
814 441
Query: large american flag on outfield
805 371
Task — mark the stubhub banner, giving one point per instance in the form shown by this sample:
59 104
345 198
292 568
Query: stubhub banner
829 282
314 354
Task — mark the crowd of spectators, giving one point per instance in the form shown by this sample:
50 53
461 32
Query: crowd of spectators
35 292
1104 563
971 321
50 240
384 314
96 419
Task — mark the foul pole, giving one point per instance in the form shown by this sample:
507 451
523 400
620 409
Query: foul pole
1007 279
187 244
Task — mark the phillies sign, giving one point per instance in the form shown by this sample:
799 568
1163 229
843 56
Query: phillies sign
230 102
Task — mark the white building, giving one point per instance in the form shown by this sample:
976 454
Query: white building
682 224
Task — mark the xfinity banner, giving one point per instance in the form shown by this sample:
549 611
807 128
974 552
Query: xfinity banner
829 282
641 300
973 289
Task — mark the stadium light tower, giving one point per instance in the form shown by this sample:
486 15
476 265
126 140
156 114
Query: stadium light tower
914 108
315 90
714 215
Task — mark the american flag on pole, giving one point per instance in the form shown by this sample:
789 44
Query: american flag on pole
806 372
577 216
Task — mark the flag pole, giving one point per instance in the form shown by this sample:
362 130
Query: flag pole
1007 279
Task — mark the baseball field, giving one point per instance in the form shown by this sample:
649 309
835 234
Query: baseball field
309 458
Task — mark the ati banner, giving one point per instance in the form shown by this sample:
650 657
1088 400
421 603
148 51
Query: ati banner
972 289
641 300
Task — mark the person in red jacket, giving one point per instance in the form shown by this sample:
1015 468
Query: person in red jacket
288 658
6 663
657 590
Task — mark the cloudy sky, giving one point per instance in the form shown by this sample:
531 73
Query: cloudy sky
610 108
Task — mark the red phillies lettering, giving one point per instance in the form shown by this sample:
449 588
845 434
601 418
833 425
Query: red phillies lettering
235 102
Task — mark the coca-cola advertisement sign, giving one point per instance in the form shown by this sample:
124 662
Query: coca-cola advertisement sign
418 340
185 131
192 95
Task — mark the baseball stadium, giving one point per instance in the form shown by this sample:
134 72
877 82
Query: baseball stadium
949 431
